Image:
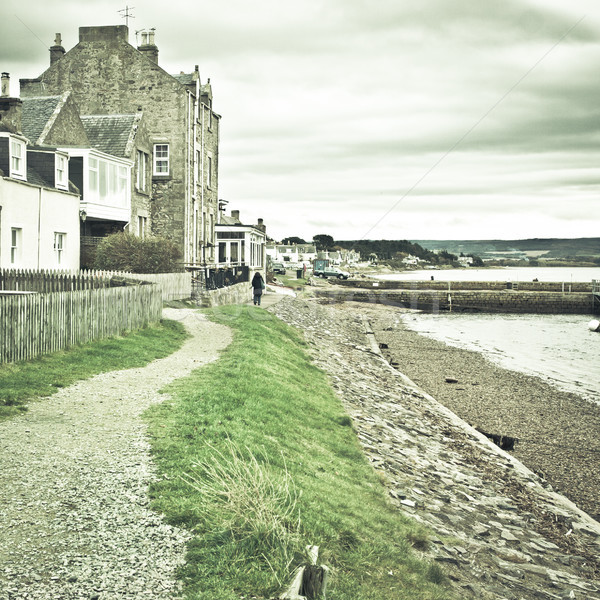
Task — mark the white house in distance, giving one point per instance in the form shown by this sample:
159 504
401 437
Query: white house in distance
240 245
39 209
297 254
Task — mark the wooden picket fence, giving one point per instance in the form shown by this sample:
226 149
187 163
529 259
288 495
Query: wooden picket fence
32 324
174 286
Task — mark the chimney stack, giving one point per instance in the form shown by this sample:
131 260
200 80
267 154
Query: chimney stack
148 47
57 51
261 225
11 109
235 214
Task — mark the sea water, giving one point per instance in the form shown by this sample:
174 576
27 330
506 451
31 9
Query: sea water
565 275
560 349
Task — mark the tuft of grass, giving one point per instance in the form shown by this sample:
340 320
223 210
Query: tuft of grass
41 377
259 459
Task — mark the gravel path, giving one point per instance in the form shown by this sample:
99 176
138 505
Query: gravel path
75 520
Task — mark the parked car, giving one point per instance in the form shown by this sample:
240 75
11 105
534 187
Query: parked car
331 272
278 268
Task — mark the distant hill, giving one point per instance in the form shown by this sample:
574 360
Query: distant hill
556 248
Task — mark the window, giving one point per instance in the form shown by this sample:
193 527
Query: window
161 159
16 234
61 174
59 246
17 159
142 165
93 177
142 222
108 183
235 252
209 172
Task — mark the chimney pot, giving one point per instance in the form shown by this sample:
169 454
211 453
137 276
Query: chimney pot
5 85
56 51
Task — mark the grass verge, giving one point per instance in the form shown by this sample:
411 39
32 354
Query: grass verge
258 459
23 381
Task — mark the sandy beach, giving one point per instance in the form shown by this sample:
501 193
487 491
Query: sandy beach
557 432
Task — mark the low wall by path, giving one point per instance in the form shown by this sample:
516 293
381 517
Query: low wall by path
532 286
239 293
464 300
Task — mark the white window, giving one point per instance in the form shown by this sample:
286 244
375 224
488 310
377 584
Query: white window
122 185
209 172
161 159
59 246
142 223
108 182
61 173
93 177
142 165
16 235
18 166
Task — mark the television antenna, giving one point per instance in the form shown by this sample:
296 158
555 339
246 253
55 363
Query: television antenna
126 14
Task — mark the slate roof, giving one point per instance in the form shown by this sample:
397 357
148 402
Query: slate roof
185 78
36 114
227 220
110 133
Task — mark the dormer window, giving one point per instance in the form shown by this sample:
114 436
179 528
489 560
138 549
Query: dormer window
18 165
61 172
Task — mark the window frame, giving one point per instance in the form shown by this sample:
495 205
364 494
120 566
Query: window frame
60 238
16 244
209 168
61 175
18 161
141 179
161 160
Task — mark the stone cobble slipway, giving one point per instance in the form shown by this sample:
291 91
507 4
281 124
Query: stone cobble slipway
499 531
75 520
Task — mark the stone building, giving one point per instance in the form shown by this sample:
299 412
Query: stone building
106 76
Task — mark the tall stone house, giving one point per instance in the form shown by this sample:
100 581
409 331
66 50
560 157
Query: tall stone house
175 167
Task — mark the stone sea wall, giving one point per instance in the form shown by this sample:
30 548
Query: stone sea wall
507 300
531 286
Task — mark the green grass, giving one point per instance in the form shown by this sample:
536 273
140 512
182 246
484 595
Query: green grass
23 381
258 459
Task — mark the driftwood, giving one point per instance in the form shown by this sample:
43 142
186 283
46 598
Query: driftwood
310 581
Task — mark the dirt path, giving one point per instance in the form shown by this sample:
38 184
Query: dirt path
74 473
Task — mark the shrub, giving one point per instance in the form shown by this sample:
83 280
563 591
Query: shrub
126 252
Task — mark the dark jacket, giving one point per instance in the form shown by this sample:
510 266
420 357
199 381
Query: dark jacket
258 283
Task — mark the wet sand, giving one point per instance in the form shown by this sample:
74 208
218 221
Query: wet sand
558 433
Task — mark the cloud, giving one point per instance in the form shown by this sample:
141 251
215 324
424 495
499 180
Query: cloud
449 117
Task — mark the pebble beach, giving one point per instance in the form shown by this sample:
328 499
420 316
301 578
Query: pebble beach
557 433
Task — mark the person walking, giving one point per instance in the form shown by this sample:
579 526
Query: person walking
258 285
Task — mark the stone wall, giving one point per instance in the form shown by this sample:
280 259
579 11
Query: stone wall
533 286
234 294
464 300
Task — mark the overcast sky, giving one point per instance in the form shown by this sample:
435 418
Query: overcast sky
467 119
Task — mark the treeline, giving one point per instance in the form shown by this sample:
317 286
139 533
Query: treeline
387 250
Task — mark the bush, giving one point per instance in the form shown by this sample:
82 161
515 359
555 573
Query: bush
127 252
